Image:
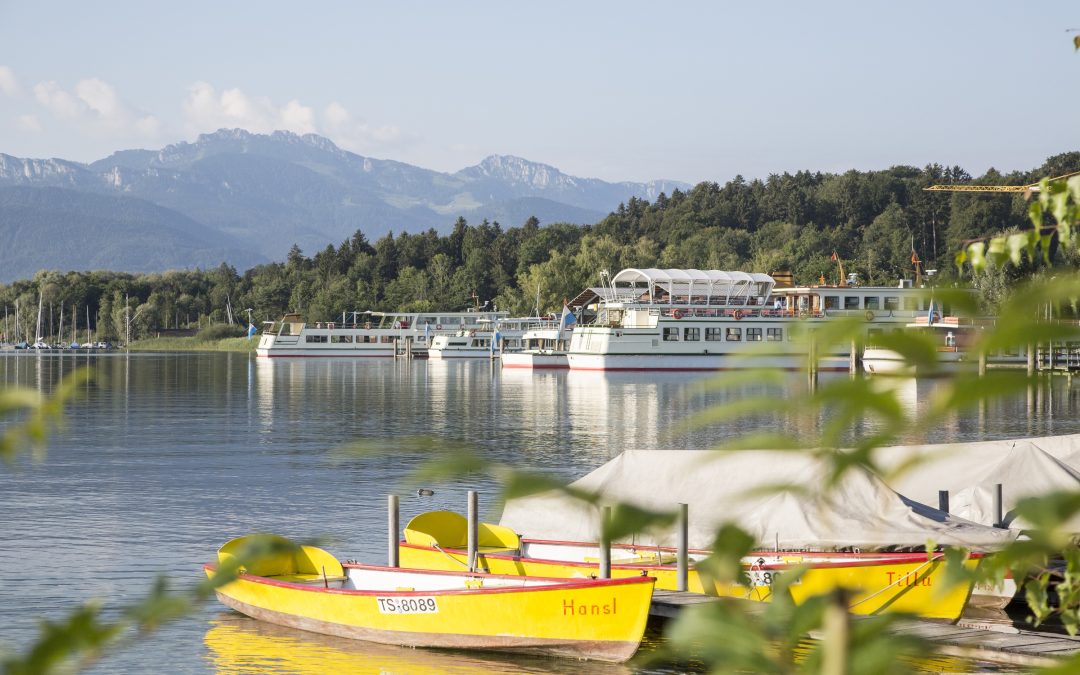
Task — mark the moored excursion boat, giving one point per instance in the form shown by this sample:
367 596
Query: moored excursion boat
880 582
542 347
307 588
685 320
367 334
952 337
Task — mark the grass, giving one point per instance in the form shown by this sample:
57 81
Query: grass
190 344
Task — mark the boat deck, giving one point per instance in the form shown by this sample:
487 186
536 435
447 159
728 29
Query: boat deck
1022 648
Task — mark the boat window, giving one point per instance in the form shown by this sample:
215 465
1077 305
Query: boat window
315 338
387 339
753 335
873 302
450 321
774 334
713 334
892 302
458 343
671 335
691 334
734 335
341 339
851 302
911 304
832 302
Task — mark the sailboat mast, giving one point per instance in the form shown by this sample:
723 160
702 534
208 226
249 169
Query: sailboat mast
40 309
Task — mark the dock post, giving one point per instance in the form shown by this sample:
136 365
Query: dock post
392 531
853 359
1030 359
474 530
943 500
999 513
982 364
683 555
605 543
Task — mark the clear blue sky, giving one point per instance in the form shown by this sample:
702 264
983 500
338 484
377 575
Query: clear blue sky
615 90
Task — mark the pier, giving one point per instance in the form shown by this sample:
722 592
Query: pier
1024 648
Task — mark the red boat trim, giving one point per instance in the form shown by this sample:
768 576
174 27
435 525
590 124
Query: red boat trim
882 558
559 583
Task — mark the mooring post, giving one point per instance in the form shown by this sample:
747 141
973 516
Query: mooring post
474 530
982 364
1030 359
683 555
999 513
853 359
605 543
943 500
392 531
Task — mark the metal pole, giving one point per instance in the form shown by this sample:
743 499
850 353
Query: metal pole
1030 359
853 359
683 556
943 500
605 543
999 514
392 531
474 530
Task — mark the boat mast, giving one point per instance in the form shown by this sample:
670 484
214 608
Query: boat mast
40 308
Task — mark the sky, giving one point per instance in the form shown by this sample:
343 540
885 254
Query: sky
625 90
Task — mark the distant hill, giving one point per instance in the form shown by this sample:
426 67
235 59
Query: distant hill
233 191
58 228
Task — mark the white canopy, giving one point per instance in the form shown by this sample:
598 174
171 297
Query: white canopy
861 512
712 285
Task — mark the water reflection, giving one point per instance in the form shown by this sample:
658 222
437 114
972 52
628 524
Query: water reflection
239 645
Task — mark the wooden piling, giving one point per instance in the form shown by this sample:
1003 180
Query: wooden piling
999 514
943 500
392 531
474 530
605 543
683 555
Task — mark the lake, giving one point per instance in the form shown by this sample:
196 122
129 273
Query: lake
167 456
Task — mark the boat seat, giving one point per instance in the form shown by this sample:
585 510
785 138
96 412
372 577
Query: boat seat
446 529
313 579
288 560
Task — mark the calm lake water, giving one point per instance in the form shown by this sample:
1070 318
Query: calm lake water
168 456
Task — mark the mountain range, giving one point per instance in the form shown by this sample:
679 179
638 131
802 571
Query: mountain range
246 198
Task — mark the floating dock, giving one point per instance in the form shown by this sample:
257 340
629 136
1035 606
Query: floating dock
1020 648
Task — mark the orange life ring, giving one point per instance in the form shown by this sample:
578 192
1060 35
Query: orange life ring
869 315
438 326
676 314
737 315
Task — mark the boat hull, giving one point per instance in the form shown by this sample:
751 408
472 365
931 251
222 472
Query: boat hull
535 360
879 583
586 621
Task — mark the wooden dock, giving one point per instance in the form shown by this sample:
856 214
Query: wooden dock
1020 648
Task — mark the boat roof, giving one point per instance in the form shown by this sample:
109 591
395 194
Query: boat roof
688 276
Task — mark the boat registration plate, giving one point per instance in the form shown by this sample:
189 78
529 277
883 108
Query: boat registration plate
764 578
416 605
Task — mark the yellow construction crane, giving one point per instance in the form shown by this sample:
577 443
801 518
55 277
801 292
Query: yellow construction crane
1034 187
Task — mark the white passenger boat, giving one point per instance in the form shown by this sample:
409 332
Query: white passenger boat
686 320
368 334
952 338
493 339
544 346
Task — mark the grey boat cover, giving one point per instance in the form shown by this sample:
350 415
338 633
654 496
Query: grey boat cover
1025 467
859 513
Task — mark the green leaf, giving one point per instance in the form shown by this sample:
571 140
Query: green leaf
997 251
1017 244
976 256
1035 214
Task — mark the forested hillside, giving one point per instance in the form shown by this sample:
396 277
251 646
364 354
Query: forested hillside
873 220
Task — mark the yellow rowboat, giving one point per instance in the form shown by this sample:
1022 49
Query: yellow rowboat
912 583
309 589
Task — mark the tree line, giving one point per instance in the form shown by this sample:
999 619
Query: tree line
874 220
